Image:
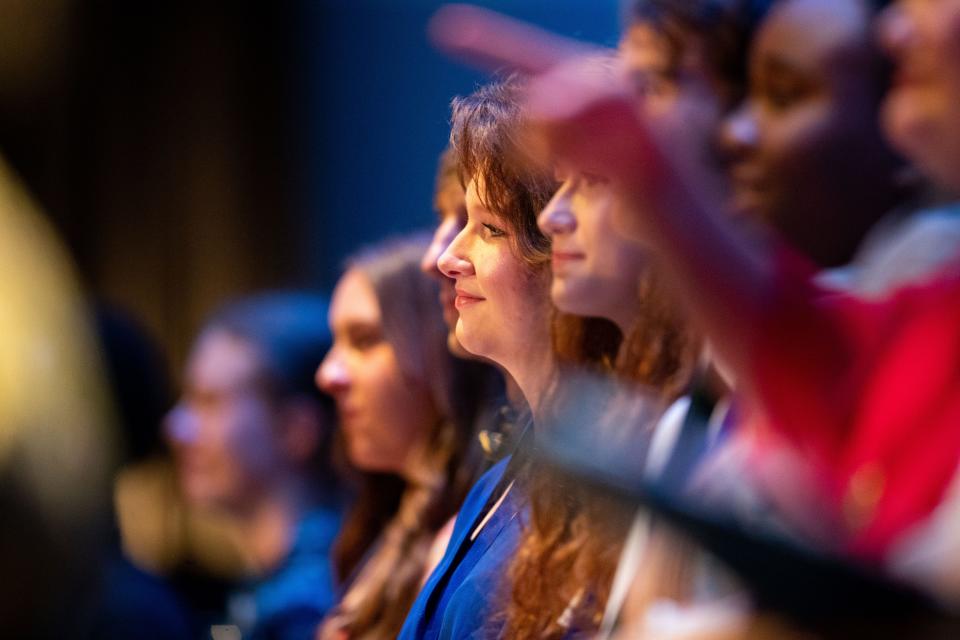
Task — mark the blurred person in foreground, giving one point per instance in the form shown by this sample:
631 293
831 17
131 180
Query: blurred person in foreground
683 60
407 410
56 437
809 117
252 437
562 572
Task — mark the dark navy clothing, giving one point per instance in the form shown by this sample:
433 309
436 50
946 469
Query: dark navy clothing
137 604
289 603
463 597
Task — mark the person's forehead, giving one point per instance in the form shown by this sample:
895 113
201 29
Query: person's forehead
476 190
644 47
354 300
812 33
221 360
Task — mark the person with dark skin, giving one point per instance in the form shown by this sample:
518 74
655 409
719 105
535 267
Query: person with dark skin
805 150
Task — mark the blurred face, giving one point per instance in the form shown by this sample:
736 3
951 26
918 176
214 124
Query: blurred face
452 209
677 93
504 305
595 269
921 112
805 147
223 432
385 414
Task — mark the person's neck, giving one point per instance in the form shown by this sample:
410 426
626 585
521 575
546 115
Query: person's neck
512 390
626 317
267 529
532 373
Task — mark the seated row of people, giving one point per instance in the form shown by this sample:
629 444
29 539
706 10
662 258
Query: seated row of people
714 265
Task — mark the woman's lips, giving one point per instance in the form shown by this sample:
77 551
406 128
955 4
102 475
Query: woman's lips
567 256
465 299
748 190
911 72
191 463
347 413
562 259
746 174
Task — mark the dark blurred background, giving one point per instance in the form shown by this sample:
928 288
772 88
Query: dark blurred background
189 152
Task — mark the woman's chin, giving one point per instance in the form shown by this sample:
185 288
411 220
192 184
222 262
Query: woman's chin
457 349
903 122
573 297
478 346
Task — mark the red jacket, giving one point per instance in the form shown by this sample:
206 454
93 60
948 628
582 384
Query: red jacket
870 391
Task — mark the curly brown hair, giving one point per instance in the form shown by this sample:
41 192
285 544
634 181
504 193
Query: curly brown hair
565 563
563 569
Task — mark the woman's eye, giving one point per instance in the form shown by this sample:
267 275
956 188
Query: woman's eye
784 92
781 98
593 180
495 232
364 341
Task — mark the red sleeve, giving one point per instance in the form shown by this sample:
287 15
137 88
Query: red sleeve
859 385
805 352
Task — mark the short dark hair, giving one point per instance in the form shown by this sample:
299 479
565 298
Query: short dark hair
725 27
289 331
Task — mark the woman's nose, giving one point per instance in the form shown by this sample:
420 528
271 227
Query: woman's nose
180 426
332 374
453 262
738 133
557 217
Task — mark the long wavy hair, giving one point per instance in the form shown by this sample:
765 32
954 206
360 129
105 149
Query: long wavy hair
564 566
562 572
386 536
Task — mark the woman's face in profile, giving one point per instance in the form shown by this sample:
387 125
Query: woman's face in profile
595 269
224 430
502 301
386 415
